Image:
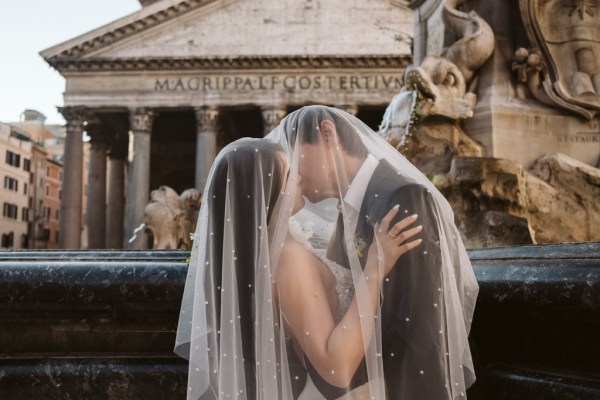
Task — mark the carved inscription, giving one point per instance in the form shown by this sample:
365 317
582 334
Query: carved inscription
278 83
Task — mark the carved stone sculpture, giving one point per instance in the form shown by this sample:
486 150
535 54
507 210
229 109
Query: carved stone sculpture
497 203
171 217
438 93
563 67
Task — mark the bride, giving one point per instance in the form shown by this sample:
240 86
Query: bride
268 314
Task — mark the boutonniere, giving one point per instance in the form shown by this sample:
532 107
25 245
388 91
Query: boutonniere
359 245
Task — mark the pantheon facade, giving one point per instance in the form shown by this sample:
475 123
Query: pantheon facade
161 90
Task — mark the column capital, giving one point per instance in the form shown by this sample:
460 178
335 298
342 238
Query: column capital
140 119
206 119
349 108
272 116
75 116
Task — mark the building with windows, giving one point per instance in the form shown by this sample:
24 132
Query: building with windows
15 166
179 79
47 153
51 202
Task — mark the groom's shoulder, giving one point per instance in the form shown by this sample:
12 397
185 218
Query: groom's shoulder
394 182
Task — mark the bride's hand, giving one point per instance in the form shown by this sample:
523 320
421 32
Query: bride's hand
394 240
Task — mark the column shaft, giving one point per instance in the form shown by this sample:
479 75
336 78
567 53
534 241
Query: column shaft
96 196
70 205
138 177
115 212
206 143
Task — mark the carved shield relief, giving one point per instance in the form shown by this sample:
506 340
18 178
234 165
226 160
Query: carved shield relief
567 33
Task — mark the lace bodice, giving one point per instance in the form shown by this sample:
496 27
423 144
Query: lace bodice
344 286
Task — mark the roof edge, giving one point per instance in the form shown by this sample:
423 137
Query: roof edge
375 61
127 26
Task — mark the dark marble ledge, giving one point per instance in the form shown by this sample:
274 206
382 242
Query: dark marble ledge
585 250
98 272
104 358
133 255
94 379
515 382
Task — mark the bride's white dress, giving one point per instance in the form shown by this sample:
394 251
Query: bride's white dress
345 290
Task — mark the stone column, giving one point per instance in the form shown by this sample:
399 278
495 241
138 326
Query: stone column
138 176
115 212
349 108
96 196
70 205
206 143
272 116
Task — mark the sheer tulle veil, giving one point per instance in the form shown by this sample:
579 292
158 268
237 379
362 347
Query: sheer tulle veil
231 327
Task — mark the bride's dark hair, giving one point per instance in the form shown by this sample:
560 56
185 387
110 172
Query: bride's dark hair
241 172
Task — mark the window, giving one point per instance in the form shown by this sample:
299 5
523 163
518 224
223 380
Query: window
47 190
25 188
47 171
25 214
24 241
60 176
11 184
8 239
13 159
27 164
47 213
57 214
10 210
59 194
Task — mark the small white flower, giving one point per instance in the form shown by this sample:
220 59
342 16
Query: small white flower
301 232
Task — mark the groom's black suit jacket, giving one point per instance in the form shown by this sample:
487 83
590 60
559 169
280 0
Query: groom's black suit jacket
411 314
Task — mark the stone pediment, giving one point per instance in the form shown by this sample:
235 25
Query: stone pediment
222 29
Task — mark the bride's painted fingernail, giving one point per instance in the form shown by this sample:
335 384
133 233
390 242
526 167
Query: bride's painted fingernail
414 215
420 227
396 206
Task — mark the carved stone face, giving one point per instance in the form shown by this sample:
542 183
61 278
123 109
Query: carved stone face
436 77
441 89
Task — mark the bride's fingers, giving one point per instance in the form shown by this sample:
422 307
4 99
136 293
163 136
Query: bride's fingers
385 222
397 228
409 246
408 234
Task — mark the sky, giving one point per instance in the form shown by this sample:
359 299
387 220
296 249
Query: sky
30 26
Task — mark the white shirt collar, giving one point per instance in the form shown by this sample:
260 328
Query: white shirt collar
356 192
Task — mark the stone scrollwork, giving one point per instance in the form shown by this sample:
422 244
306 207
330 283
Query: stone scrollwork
207 119
171 217
75 117
564 69
140 119
272 116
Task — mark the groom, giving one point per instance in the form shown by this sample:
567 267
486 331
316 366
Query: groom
335 163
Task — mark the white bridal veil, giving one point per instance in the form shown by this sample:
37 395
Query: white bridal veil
232 328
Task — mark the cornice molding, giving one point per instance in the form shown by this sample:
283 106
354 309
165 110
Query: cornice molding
231 63
130 29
